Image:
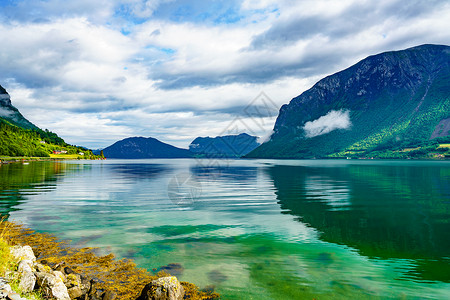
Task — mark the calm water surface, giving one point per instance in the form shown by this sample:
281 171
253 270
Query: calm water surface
259 229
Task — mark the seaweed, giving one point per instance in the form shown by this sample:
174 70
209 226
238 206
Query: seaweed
120 276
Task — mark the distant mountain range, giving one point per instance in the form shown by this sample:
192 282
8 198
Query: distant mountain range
231 146
224 146
393 105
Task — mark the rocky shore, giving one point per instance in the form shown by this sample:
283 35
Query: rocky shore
60 282
38 267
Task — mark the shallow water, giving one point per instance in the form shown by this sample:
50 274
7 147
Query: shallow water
253 229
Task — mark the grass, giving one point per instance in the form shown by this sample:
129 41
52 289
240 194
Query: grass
119 276
410 149
66 156
5 257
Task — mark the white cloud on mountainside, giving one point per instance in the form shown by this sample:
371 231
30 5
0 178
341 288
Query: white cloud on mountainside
334 119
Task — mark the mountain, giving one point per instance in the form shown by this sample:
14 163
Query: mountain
140 147
20 137
224 146
394 104
11 114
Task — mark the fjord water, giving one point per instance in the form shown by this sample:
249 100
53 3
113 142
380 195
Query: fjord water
259 229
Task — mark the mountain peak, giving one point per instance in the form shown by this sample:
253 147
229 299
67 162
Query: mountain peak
142 147
11 114
5 99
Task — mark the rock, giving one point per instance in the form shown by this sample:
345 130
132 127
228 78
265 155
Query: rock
23 253
108 295
73 280
60 275
4 286
209 289
59 290
85 283
173 269
15 296
27 278
77 285
43 268
164 288
216 276
75 292
52 285
95 292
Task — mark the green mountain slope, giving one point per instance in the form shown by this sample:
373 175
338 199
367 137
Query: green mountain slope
19 137
394 104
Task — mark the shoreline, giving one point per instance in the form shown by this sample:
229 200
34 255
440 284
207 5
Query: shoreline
10 160
120 277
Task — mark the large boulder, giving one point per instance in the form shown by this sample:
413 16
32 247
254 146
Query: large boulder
25 256
27 278
164 288
53 286
23 253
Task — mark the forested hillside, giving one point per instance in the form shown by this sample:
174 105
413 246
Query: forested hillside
16 141
20 137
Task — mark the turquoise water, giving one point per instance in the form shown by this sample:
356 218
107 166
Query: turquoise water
253 229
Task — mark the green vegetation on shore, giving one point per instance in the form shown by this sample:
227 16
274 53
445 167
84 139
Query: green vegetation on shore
434 149
20 142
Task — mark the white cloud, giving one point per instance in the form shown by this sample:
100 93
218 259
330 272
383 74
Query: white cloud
334 119
266 137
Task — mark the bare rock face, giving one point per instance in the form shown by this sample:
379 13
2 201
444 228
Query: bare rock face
165 288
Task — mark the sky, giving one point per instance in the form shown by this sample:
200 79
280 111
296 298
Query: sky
99 71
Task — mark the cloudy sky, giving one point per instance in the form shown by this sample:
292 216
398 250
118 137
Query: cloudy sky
98 71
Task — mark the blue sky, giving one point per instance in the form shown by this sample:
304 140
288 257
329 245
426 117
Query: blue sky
98 71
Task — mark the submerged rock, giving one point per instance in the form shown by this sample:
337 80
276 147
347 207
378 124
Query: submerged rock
216 276
164 288
174 269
